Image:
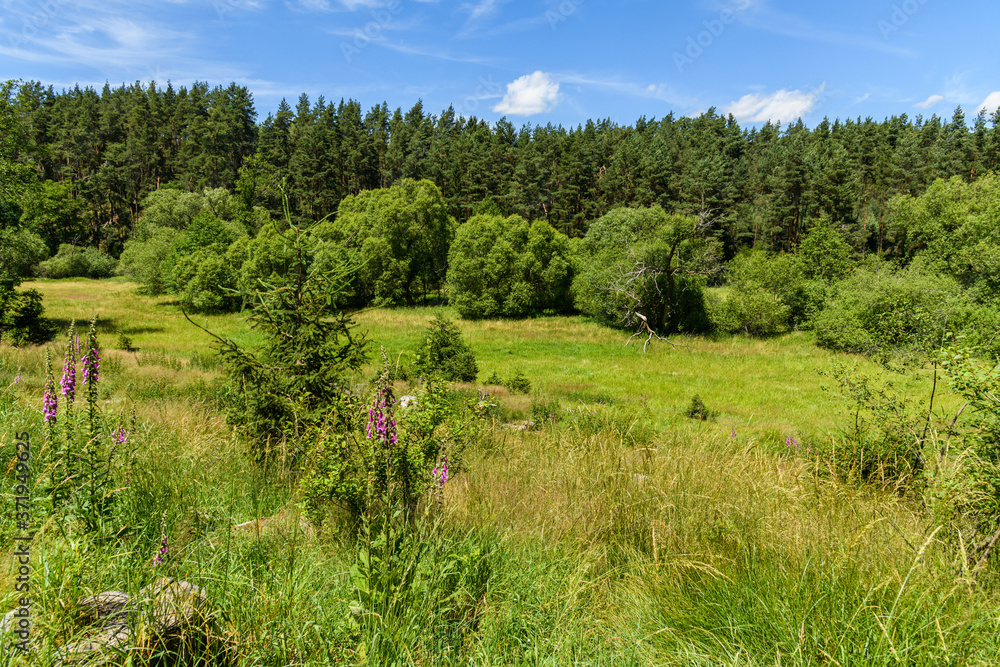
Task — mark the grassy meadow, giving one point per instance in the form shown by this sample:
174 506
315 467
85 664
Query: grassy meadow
624 533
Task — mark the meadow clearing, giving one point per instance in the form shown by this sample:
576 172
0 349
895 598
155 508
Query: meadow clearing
617 532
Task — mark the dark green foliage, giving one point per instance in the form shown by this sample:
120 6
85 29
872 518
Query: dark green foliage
445 354
508 268
54 214
20 253
21 316
76 262
124 343
296 381
518 383
698 410
644 266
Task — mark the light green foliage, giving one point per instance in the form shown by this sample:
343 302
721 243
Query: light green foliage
398 236
445 354
20 252
168 207
978 382
881 309
207 280
884 438
142 260
953 227
393 461
771 293
501 267
206 236
272 258
825 254
761 289
645 262
180 231
75 262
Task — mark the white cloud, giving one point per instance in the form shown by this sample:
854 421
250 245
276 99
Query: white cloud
783 105
530 94
929 102
991 103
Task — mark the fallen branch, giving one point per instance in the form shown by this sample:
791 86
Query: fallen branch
645 328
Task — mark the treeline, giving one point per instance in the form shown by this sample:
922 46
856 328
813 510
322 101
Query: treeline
101 153
878 235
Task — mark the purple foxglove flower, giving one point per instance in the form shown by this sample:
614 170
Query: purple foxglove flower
68 382
50 403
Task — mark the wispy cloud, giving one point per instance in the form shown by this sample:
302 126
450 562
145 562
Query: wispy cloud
620 86
529 95
479 15
929 102
759 16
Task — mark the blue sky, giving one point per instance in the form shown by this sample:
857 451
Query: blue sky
537 61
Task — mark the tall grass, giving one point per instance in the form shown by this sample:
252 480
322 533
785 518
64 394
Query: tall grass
617 533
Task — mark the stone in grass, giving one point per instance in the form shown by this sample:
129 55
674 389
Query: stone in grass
167 616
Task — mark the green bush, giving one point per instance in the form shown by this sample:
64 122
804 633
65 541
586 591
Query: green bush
518 383
20 252
397 238
698 410
770 294
645 266
208 281
423 444
750 309
21 316
881 309
142 259
76 262
444 353
501 267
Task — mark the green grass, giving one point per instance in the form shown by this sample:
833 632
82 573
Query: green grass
580 543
